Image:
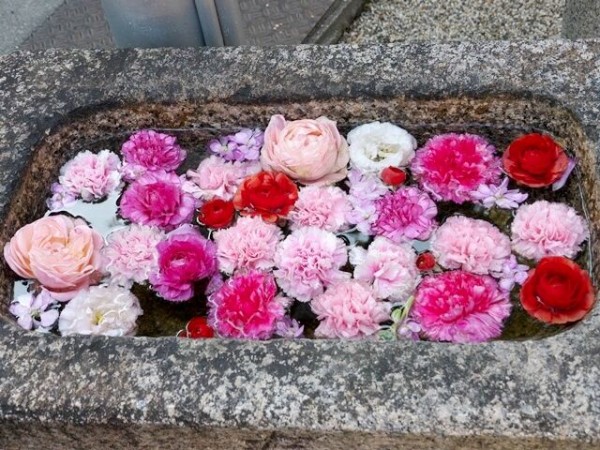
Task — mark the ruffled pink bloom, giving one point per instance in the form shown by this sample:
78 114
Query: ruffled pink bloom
461 307
548 229
91 176
250 244
389 268
246 307
322 207
308 261
218 178
130 253
349 310
157 199
184 258
149 151
405 215
472 245
452 166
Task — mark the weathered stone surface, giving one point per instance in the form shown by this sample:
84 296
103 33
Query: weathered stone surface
581 19
313 394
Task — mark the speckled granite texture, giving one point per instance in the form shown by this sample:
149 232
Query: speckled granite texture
85 392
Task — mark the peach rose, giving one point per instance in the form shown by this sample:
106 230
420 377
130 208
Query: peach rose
308 151
60 252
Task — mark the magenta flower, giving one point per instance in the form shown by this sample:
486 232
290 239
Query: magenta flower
157 199
324 207
405 215
244 145
461 307
35 311
246 307
91 176
184 258
491 195
149 151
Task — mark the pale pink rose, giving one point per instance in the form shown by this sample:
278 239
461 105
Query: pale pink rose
60 252
308 151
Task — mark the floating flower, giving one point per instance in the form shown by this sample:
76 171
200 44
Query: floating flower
393 176
405 215
324 207
244 145
101 310
375 146
246 307
390 269
157 199
548 229
250 244
472 245
512 273
559 184
308 151
288 328
60 252
130 254
149 151
364 190
184 258
91 176
267 194
425 261
308 261
348 310
37 312
408 330
216 213
452 166
198 328
557 291
460 307
491 195
61 198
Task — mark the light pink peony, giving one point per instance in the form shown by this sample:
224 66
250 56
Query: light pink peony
548 229
157 199
149 151
308 261
324 207
348 310
91 176
308 151
389 268
250 244
246 307
218 178
472 245
460 307
60 252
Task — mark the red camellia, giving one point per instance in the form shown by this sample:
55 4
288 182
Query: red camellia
216 213
535 160
270 195
393 176
557 291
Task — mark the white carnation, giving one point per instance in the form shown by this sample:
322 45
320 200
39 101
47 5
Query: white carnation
375 146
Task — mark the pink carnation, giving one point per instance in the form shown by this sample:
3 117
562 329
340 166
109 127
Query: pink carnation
130 253
548 229
461 307
216 177
308 261
184 258
452 166
250 244
322 207
389 268
91 176
149 151
405 215
472 245
246 306
157 199
348 310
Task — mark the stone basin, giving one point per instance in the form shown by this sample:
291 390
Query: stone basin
98 391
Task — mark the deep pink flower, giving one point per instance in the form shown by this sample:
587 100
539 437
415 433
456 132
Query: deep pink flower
184 258
452 166
149 151
91 176
324 207
460 307
157 199
246 307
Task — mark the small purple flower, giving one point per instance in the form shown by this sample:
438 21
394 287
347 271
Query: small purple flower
500 196
365 189
565 176
512 272
245 145
61 198
289 328
35 311
409 330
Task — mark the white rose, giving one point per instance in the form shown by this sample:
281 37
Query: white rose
375 146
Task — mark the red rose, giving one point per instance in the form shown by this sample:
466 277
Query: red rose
269 194
557 291
393 176
216 213
535 160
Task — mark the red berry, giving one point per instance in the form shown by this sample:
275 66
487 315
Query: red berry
198 328
393 176
425 261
